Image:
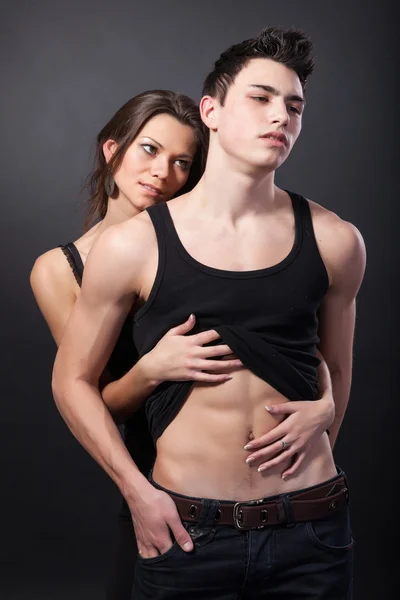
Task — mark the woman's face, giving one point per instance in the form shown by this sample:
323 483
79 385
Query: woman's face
157 163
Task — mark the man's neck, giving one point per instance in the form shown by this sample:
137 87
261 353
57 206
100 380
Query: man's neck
228 191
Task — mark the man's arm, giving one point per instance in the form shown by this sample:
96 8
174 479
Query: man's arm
343 251
109 287
86 345
345 259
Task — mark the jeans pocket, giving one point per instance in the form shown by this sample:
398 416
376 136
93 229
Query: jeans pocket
200 537
159 557
333 533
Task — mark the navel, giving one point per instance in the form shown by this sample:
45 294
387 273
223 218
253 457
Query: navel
250 436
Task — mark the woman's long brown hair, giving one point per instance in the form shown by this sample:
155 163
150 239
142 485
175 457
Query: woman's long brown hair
124 127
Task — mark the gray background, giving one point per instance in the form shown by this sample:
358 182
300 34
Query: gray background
66 68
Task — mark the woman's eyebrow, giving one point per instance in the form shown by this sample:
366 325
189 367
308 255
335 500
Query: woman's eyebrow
161 146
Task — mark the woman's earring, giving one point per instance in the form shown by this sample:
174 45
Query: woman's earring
109 184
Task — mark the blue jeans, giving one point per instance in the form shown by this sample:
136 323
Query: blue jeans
308 560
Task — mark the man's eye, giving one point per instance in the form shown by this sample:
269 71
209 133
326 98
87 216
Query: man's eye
295 110
261 99
149 148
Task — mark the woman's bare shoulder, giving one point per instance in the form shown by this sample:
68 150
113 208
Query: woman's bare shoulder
52 270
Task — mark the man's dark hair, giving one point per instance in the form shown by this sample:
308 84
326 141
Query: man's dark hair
290 47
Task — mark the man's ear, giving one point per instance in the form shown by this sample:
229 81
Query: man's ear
209 110
109 147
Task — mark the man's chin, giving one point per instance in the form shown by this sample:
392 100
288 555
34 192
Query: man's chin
271 162
268 166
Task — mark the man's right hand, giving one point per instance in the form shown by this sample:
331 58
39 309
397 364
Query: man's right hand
181 357
155 519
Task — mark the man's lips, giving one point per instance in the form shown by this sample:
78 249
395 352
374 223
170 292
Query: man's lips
276 136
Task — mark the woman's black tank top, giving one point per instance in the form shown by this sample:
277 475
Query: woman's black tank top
268 316
136 432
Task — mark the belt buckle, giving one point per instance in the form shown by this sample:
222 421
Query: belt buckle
238 514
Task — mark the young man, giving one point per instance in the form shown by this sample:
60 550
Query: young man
256 265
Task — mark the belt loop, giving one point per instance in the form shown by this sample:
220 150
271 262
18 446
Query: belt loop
287 505
208 512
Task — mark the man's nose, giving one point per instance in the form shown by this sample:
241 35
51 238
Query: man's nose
279 113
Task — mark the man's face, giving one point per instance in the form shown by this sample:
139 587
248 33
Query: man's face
261 117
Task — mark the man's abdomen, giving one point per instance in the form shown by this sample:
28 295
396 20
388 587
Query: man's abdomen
201 453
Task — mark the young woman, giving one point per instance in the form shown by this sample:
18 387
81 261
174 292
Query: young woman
152 149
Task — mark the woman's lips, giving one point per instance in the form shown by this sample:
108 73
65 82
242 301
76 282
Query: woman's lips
151 189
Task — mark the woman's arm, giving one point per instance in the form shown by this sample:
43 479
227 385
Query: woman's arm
176 357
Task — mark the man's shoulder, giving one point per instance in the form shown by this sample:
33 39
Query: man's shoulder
332 228
117 258
340 242
139 224
130 238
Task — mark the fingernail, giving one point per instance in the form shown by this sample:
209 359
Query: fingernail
269 409
284 477
248 447
187 547
261 469
191 316
250 459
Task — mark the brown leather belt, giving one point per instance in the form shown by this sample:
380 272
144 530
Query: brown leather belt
315 503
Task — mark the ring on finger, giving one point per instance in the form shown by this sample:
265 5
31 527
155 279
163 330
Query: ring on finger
285 445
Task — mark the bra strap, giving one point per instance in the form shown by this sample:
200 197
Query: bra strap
74 260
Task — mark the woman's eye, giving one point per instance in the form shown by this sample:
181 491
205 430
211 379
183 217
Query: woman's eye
183 164
149 148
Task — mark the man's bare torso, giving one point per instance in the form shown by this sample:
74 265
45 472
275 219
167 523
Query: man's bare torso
201 453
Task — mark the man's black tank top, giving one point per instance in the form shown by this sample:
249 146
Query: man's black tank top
268 316
136 432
